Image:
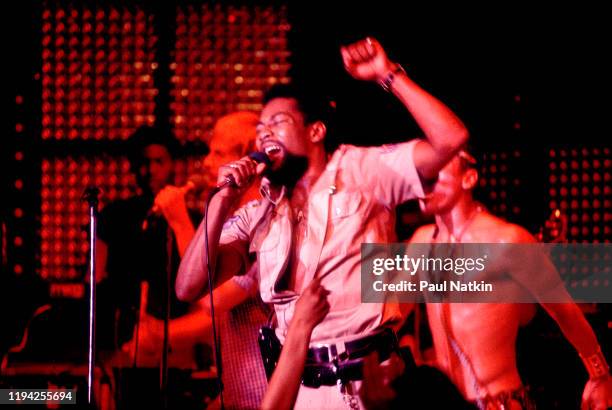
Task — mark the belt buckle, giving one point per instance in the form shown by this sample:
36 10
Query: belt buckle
332 355
337 352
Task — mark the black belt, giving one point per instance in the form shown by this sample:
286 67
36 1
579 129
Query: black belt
328 364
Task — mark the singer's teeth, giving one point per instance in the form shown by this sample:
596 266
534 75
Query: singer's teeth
272 149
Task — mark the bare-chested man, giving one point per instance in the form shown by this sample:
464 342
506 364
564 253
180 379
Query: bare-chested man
475 342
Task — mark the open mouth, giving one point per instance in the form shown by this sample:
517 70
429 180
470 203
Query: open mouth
272 150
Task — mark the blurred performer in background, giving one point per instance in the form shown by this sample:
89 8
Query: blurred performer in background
141 241
238 306
232 137
475 342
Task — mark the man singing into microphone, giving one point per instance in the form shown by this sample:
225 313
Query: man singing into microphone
316 210
139 239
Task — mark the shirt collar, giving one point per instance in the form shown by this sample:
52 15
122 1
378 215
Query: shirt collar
268 193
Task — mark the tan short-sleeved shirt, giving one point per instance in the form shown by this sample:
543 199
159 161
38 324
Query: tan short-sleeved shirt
353 202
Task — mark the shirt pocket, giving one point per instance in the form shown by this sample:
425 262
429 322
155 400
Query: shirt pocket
345 204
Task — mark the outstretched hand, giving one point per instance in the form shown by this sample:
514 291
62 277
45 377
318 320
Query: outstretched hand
366 60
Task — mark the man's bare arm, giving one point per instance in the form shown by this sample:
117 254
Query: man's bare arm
171 202
192 278
445 133
568 317
530 265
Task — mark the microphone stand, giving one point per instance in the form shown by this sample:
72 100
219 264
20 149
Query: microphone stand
91 196
163 377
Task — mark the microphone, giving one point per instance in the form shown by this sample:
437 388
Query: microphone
257 156
195 183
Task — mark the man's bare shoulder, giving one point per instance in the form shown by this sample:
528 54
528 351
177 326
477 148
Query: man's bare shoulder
498 230
423 234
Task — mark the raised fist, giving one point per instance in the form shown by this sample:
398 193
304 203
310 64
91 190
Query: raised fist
366 60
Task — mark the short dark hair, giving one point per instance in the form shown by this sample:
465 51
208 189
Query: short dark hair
145 136
312 104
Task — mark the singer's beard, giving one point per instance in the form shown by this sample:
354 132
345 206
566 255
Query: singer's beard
289 173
